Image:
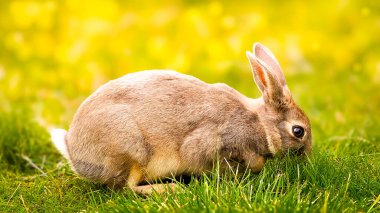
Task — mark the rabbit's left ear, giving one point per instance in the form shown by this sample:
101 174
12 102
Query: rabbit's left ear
271 63
268 76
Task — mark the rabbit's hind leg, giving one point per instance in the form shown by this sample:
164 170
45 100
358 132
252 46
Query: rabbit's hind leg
119 171
154 188
136 176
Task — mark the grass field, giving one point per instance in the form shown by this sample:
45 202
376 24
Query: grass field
53 54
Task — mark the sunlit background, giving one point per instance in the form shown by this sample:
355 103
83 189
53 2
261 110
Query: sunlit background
53 54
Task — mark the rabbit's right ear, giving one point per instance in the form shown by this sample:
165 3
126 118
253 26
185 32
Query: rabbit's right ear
268 76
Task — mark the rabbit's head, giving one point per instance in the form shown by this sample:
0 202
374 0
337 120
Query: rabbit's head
286 125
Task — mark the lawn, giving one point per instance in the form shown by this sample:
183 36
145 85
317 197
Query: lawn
53 54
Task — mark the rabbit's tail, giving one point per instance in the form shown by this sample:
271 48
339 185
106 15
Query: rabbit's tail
58 136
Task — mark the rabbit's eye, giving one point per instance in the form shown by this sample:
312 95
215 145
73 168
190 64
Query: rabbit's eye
298 131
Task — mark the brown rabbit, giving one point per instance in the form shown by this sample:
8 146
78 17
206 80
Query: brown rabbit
154 124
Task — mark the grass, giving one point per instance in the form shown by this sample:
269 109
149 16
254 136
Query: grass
36 178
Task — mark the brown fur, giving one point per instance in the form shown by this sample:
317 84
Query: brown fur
154 124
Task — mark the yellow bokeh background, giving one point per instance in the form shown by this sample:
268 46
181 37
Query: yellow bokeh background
53 54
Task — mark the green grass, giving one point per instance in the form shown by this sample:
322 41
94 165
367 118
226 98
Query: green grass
36 178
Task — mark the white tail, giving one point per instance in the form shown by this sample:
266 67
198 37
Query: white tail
58 138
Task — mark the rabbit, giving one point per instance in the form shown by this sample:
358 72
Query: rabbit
160 123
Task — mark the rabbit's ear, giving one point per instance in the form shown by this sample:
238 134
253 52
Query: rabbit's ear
259 74
265 55
268 77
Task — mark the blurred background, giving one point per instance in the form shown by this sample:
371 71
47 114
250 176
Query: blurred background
53 54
